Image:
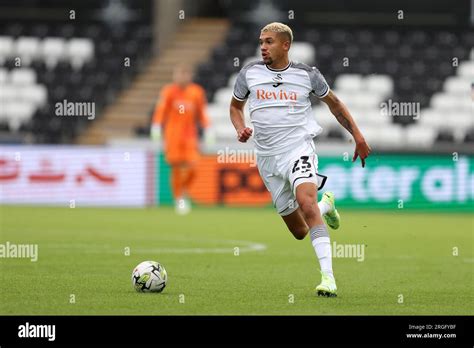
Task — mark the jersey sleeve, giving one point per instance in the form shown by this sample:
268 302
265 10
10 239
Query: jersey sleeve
319 86
241 91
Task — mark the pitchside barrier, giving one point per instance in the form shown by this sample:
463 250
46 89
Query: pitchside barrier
74 176
124 176
387 181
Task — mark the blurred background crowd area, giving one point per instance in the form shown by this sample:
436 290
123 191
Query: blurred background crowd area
118 54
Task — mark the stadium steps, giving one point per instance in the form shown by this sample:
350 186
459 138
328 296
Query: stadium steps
192 44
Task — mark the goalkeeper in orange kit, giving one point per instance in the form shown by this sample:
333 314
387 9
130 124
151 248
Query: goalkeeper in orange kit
178 113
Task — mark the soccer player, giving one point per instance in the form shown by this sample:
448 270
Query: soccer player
181 108
278 92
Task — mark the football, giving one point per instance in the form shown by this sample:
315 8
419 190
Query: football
149 276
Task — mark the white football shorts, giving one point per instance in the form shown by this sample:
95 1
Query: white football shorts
283 173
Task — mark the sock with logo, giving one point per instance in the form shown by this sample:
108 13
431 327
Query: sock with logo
322 246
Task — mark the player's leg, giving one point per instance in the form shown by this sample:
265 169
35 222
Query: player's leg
174 159
306 196
178 184
296 224
189 157
176 181
187 178
303 177
189 174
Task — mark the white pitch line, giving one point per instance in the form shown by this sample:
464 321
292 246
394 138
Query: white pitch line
244 246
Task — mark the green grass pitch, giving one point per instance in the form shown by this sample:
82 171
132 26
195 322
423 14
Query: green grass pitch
407 256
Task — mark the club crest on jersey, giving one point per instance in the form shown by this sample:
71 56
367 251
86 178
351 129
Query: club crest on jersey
278 80
273 95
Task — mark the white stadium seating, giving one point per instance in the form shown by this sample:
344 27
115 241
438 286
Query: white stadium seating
6 48
457 85
53 50
379 84
223 96
466 69
20 95
388 136
348 83
419 136
301 52
232 80
16 113
23 77
79 51
3 76
27 48
35 94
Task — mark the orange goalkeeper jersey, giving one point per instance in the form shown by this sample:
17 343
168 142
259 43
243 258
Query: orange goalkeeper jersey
178 112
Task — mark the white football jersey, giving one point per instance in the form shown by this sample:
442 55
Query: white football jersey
279 104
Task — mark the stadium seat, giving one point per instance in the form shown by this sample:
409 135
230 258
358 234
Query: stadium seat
9 93
79 51
379 84
348 98
455 84
302 52
444 101
217 112
466 69
349 83
232 80
3 76
23 76
371 117
27 48
53 49
17 113
225 132
463 120
367 100
323 116
387 136
34 94
6 48
432 118
223 96
420 137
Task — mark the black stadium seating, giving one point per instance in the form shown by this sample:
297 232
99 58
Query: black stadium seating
98 80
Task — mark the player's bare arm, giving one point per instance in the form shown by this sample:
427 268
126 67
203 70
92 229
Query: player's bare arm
343 116
238 120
